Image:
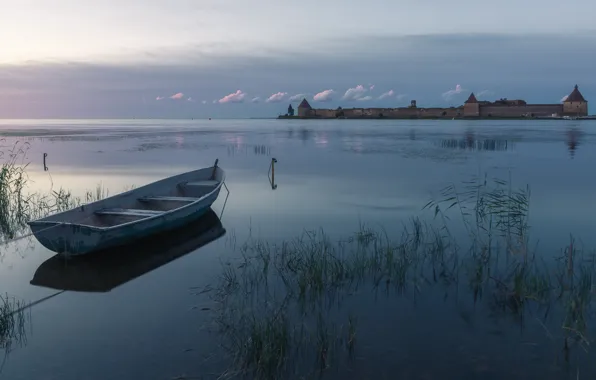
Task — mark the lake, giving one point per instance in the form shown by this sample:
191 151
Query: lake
340 179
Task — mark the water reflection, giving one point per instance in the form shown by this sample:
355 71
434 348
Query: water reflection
104 271
573 140
302 134
471 142
302 307
14 318
257 150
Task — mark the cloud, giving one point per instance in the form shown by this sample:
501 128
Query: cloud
215 101
372 87
430 64
297 97
354 93
483 93
190 99
235 97
276 98
387 94
177 96
204 102
159 98
365 98
324 96
564 98
255 100
401 96
449 94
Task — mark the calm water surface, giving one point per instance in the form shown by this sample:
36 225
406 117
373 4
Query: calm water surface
330 175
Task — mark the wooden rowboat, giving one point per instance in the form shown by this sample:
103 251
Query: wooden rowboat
159 206
105 270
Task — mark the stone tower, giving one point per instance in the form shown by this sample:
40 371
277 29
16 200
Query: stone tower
471 107
304 108
575 104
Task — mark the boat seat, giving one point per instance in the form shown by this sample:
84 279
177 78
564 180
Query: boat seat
128 212
166 198
206 183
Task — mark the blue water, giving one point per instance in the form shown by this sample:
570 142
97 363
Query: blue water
333 175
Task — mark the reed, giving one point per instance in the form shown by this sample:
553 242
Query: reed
18 204
297 286
13 321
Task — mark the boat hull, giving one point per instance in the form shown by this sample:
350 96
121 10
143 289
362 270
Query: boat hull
108 269
75 239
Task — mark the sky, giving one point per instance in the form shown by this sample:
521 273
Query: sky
204 58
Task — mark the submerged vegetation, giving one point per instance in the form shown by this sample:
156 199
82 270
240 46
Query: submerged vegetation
308 306
293 309
13 319
18 206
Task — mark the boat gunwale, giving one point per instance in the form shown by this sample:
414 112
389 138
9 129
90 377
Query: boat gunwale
101 228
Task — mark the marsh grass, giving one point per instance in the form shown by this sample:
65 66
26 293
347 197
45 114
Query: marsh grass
13 320
18 205
281 306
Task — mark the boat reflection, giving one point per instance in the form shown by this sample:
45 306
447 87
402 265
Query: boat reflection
104 271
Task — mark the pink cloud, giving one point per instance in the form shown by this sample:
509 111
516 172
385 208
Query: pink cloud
159 98
372 87
297 97
276 98
564 98
177 96
324 96
458 90
354 93
235 97
387 94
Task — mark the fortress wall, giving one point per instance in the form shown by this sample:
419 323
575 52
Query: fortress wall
324 113
438 112
518 111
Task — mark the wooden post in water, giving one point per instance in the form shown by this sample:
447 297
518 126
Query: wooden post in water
214 168
273 185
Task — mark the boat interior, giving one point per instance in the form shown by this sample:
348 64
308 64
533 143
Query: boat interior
144 202
152 205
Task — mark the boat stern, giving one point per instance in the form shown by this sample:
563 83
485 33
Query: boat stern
65 238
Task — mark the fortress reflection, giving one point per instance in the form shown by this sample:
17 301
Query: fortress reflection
574 136
470 142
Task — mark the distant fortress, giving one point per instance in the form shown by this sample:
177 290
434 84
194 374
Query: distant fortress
574 106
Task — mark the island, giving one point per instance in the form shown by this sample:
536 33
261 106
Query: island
575 106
